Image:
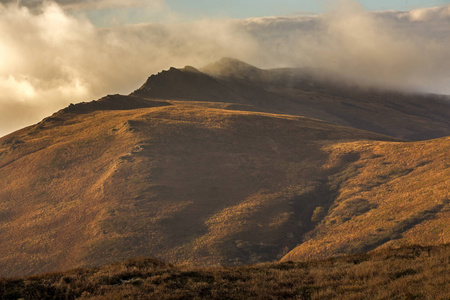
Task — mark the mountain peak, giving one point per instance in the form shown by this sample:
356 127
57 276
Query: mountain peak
190 69
231 67
187 83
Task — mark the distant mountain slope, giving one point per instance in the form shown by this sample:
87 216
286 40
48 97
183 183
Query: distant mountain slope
307 93
194 182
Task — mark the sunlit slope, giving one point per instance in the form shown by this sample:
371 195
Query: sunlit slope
395 194
124 177
178 182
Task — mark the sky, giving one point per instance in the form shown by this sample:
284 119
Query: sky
68 51
185 10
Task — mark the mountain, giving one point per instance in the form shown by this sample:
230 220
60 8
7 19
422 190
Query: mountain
176 181
210 183
186 84
306 92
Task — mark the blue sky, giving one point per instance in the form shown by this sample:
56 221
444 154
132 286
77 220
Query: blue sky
184 10
258 8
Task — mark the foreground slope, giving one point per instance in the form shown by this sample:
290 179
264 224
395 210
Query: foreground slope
174 181
193 182
405 273
306 92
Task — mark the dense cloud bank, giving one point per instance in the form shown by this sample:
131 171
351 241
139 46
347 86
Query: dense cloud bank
53 58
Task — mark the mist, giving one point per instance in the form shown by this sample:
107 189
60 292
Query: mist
53 57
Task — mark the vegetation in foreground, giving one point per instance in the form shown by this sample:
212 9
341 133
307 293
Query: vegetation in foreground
411 272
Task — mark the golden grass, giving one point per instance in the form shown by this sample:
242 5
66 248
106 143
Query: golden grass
406 273
398 195
189 183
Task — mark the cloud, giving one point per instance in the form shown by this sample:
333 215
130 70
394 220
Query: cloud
86 4
54 58
427 14
388 49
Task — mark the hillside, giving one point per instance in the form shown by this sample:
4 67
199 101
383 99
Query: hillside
399 196
194 182
306 92
206 167
404 273
178 182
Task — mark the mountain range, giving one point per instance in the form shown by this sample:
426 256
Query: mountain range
226 165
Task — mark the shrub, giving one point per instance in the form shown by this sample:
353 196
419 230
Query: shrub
318 214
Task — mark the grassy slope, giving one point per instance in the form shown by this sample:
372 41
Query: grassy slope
397 193
192 183
178 182
406 273
51 181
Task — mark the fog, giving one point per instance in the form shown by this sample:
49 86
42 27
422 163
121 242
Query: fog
53 57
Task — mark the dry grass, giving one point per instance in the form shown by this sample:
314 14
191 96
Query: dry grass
191 183
407 273
397 194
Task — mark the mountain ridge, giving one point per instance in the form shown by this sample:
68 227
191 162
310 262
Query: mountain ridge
307 93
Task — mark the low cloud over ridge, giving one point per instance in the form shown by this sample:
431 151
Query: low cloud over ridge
54 58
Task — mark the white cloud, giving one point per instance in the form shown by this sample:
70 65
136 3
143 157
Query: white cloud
441 13
53 58
389 49
86 4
